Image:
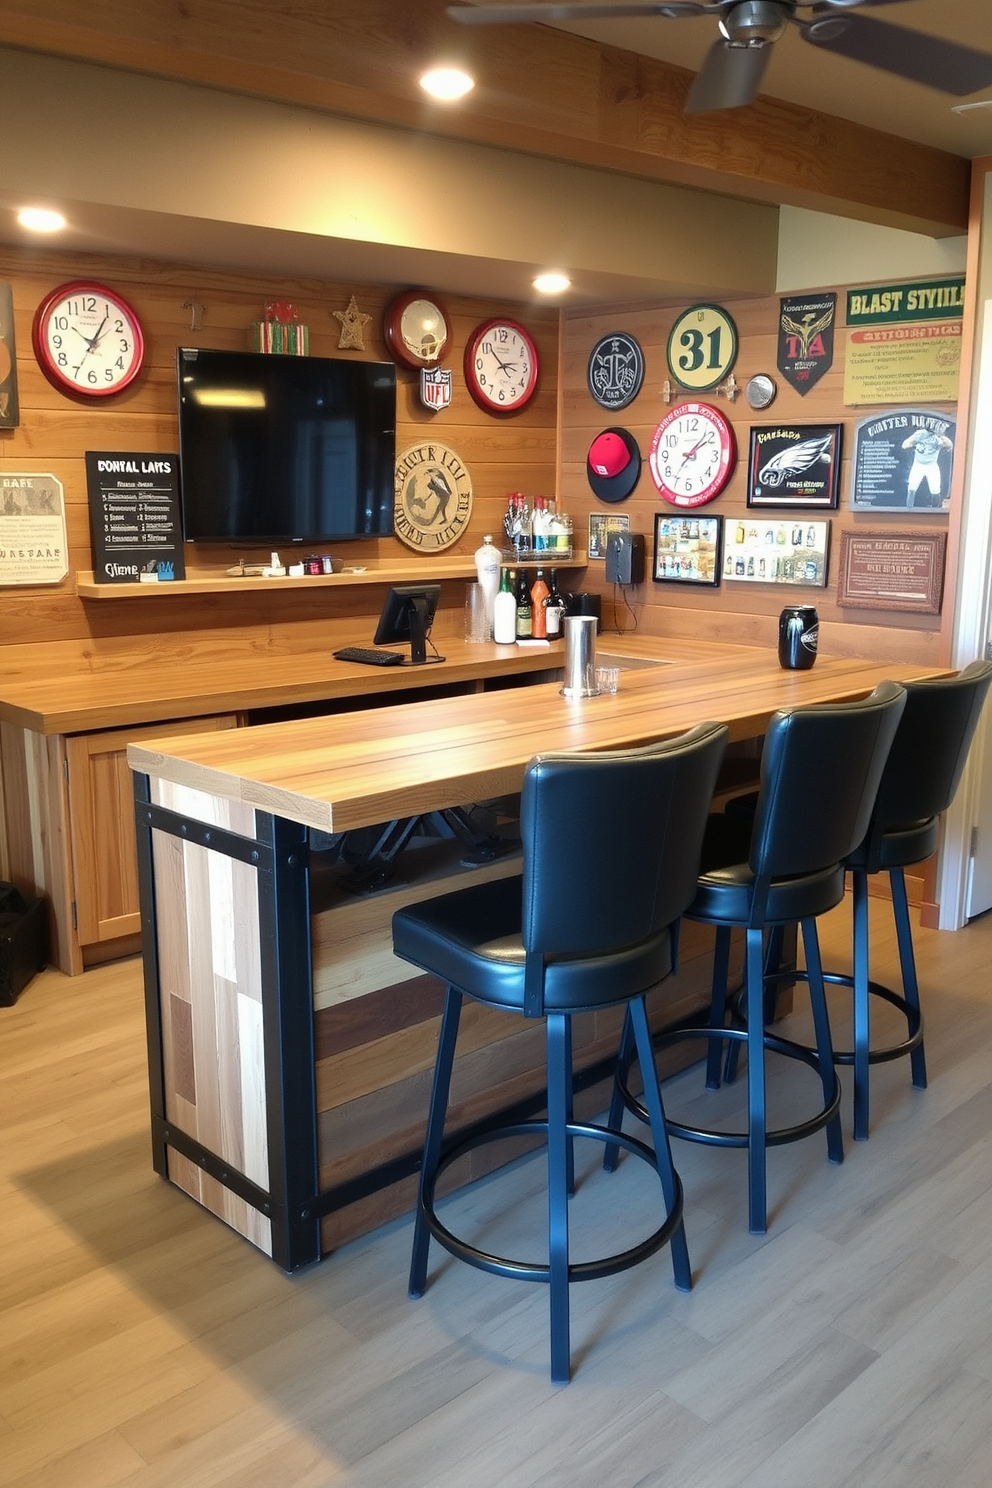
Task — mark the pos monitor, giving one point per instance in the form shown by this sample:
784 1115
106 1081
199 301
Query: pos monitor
407 615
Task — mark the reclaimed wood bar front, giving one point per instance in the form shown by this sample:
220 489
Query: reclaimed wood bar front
289 1051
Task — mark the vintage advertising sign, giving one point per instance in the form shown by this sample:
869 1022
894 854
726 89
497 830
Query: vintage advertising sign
891 304
892 571
793 465
134 517
433 494
903 364
806 339
903 461
9 411
33 546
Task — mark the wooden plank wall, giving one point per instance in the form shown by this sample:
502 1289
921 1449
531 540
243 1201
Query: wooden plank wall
740 612
501 454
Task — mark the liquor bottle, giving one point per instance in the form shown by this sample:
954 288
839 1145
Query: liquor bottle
487 569
538 594
554 610
524 608
505 611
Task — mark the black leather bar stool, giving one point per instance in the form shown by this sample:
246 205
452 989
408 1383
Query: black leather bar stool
611 845
820 770
918 784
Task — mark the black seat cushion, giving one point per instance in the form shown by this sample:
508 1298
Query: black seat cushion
472 939
725 889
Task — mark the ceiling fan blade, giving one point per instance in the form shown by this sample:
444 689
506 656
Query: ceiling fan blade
941 64
729 78
511 15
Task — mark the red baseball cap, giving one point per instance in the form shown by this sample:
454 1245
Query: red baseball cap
613 464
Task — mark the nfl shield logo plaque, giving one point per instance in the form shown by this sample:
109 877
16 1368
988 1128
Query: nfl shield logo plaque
435 387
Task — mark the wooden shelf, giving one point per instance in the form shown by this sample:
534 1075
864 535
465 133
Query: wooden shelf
415 571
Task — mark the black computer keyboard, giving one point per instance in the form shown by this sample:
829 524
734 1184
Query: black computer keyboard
369 656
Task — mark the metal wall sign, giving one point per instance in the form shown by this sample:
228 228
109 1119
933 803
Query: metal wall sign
134 517
616 370
793 465
903 461
33 545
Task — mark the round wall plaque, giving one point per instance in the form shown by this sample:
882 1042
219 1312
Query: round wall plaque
616 370
433 497
702 347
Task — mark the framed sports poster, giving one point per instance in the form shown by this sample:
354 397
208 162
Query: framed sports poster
687 550
794 465
903 461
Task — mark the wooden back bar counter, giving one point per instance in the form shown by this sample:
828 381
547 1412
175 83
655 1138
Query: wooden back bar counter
289 1051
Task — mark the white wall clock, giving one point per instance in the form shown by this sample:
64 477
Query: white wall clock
87 340
501 366
693 454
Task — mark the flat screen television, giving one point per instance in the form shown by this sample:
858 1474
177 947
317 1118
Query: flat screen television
407 615
285 449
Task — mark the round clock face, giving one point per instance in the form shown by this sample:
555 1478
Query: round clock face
692 454
87 340
416 329
501 366
702 347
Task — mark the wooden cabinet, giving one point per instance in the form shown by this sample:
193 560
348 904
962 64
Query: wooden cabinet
101 827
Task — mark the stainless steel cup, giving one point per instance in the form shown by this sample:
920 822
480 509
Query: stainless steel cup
580 657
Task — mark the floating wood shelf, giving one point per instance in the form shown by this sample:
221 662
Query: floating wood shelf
415 571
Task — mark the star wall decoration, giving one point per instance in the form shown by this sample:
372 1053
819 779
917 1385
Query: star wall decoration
353 324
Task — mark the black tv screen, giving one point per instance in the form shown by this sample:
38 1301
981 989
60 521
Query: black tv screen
285 449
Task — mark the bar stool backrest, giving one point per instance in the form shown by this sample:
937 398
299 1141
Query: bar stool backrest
612 839
928 754
820 771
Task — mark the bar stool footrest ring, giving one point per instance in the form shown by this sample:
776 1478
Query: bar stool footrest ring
773 1138
537 1271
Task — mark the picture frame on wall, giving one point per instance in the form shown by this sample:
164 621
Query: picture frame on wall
794 465
601 524
687 549
791 551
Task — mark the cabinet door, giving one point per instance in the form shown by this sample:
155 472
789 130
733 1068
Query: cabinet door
101 825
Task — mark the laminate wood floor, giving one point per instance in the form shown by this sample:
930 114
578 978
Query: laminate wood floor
143 1345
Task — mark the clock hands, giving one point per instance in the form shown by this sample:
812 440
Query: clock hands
691 454
91 341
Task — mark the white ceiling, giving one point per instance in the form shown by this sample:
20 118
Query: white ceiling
808 75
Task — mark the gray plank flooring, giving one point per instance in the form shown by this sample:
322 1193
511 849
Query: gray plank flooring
144 1345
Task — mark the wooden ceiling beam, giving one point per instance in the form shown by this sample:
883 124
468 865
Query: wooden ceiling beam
539 91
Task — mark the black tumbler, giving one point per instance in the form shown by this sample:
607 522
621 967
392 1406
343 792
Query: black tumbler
797 634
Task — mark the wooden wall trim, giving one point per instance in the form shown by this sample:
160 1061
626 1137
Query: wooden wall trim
540 91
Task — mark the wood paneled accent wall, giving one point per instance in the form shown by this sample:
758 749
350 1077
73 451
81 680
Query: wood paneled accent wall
55 431
742 612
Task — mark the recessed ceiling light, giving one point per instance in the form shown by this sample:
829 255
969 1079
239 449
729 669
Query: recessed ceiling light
447 83
552 283
40 219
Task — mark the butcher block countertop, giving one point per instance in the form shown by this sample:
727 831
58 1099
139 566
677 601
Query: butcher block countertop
357 768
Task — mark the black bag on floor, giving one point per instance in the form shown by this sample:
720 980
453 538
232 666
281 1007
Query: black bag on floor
23 941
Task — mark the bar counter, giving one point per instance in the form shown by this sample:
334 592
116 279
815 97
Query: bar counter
289 1051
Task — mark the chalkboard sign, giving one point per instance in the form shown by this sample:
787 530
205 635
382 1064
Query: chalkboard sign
134 517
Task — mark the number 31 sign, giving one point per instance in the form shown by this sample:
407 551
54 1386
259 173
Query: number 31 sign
702 347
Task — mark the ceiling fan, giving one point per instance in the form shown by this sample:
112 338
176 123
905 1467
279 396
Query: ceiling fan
734 66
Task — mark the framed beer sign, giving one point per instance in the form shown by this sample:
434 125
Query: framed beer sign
794 465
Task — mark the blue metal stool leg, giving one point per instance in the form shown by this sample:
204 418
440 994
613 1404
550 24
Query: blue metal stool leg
559 1143
718 1006
440 1087
569 1112
659 1132
862 1006
907 961
611 1155
756 1112
824 1044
